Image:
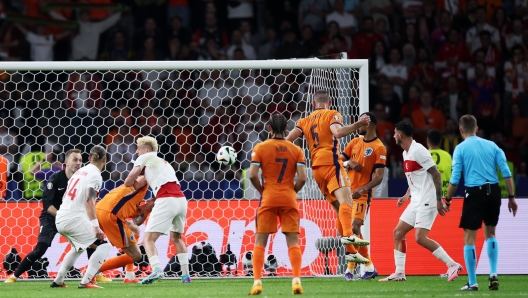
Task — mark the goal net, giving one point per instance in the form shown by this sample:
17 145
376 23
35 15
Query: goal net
192 109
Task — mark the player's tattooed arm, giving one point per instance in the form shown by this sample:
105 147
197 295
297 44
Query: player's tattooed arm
91 194
437 179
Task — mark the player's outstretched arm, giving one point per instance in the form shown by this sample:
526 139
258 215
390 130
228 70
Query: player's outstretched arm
253 177
91 196
301 177
293 135
129 181
341 131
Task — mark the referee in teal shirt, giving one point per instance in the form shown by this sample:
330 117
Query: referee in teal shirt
478 159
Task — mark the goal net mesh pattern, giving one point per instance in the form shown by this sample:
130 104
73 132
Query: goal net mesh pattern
191 113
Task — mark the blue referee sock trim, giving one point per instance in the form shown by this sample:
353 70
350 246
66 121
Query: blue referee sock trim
470 256
493 254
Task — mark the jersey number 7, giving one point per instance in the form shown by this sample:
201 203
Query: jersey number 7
72 189
284 162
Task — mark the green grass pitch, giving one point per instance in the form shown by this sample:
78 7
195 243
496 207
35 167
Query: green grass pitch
415 286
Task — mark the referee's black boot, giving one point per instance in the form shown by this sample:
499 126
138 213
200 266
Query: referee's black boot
468 287
493 282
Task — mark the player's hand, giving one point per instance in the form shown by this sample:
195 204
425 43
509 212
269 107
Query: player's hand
512 206
401 201
355 166
139 220
133 227
99 233
358 193
145 207
442 208
364 120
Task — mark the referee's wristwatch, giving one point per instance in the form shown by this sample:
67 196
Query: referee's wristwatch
511 197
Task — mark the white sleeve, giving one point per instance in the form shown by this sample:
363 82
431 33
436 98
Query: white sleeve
95 182
141 161
424 158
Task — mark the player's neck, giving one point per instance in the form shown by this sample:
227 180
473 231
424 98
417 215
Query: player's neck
68 173
321 107
406 144
278 136
370 135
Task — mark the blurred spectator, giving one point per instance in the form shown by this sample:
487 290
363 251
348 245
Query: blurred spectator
32 186
412 37
345 20
409 57
390 100
210 31
253 90
516 36
454 53
480 56
491 6
122 150
515 79
521 10
118 49
427 117
381 28
179 9
454 7
517 125
378 9
289 48
473 34
250 37
313 14
237 42
411 9
423 71
178 30
210 51
452 102
396 72
269 48
149 51
378 58
503 25
384 128
237 11
440 35
41 43
412 102
238 54
428 20
332 30
308 44
149 30
364 41
468 18
485 101
451 137
213 92
86 43
493 55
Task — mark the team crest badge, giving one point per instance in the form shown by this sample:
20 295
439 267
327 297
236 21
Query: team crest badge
132 238
50 186
368 152
336 117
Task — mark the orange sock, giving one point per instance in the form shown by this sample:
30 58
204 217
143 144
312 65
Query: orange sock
295 254
363 250
345 217
351 266
258 261
339 227
351 249
116 262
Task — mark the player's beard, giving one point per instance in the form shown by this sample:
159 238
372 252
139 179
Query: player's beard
362 131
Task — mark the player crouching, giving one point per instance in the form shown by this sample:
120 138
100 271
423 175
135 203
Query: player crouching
112 212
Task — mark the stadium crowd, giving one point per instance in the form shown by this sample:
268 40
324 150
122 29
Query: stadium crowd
430 62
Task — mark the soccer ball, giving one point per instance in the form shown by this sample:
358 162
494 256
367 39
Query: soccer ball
226 155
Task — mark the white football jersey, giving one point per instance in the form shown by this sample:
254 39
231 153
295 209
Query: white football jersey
157 171
76 193
416 162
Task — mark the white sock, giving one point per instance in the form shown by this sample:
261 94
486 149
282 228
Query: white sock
369 268
257 282
154 262
183 259
399 260
130 275
67 263
442 255
296 280
95 262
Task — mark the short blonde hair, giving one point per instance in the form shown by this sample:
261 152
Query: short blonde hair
148 141
321 96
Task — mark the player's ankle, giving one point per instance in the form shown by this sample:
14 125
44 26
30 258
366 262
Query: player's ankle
296 280
130 275
257 282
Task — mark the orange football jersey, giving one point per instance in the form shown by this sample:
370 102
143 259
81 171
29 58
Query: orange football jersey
278 160
123 201
324 147
370 154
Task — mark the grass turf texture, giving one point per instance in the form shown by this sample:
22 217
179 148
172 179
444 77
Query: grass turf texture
415 286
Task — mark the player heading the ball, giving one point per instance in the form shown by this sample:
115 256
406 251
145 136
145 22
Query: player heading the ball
169 209
322 129
279 160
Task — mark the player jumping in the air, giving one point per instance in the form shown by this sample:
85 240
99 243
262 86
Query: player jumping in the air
170 206
279 160
425 191
77 222
113 211
322 129
366 157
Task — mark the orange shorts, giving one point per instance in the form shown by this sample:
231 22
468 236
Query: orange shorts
330 178
117 231
360 207
266 219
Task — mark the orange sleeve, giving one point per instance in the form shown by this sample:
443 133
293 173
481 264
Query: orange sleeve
301 161
348 149
381 156
335 118
256 156
300 126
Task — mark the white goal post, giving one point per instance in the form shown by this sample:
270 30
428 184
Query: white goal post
192 108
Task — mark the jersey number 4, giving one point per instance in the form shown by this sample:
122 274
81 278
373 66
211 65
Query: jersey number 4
72 189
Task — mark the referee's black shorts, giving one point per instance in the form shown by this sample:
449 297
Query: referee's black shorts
48 230
481 204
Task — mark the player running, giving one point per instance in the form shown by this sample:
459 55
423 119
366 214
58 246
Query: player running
51 201
366 157
113 211
279 161
425 191
77 222
322 129
169 209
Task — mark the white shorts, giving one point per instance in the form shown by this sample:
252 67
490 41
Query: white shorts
419 217
78 230
168 215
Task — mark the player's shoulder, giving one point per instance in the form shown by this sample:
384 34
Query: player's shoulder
57 176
